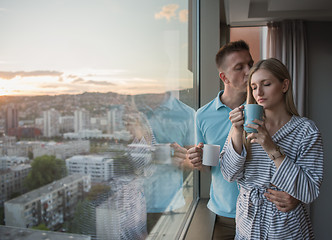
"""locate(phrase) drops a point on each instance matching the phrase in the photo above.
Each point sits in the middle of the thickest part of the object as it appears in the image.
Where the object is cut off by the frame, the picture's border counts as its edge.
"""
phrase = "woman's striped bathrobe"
(300, 175)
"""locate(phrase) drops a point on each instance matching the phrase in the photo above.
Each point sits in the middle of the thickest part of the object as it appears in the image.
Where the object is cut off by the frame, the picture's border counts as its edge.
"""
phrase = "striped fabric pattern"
(300, 175)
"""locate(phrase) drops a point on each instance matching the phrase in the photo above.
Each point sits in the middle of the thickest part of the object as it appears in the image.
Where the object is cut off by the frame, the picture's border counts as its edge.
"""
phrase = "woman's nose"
(260, 91)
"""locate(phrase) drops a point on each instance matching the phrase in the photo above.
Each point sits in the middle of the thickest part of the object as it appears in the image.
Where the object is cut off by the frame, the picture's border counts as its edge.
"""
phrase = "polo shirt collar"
(167, 104)
(218, 102)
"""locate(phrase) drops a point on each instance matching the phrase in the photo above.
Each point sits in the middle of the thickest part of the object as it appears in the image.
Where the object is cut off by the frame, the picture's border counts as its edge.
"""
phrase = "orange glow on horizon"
(49, 85)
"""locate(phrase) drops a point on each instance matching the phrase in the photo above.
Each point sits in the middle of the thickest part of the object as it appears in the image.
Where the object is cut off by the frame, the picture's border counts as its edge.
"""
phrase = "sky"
(74, 46)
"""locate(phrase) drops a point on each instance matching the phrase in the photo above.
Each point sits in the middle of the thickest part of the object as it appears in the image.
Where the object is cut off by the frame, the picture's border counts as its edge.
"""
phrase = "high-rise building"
(66, 124)
(11, 120)
(81, 120)
(115, 118)
(51, 123)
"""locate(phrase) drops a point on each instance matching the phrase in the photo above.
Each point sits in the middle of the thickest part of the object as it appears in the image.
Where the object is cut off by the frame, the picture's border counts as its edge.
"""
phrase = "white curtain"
(287, 42)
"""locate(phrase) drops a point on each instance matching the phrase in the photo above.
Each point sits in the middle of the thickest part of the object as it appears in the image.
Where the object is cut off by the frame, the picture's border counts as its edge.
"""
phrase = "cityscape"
(99, 155)
(79, 82)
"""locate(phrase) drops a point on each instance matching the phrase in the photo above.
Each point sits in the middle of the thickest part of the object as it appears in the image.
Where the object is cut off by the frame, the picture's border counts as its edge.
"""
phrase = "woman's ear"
(285, 85)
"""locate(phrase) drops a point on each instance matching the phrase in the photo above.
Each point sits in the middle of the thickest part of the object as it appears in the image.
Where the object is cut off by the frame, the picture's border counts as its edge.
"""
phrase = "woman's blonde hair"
(279, 70)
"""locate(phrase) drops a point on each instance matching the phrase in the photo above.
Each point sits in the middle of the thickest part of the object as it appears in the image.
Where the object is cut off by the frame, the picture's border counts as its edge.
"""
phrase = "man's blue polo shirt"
(212, 127)
(172, 121)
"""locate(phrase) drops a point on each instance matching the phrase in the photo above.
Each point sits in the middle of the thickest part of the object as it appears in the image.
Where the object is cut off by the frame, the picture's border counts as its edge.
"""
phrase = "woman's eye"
(267, 84)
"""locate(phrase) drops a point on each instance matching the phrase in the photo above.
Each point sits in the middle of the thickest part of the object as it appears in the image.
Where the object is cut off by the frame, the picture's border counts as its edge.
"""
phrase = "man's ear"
(285, 85)
(223, 77)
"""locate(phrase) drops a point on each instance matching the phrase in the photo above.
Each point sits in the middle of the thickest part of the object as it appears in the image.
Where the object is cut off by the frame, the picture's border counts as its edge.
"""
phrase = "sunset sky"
(74, 46)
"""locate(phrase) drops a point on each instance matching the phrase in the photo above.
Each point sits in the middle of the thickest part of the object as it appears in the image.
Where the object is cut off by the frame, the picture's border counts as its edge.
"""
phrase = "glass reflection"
(170, 122)
(97, 113)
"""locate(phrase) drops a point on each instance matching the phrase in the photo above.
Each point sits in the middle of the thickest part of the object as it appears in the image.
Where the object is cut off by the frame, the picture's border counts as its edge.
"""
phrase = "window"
(111, 90)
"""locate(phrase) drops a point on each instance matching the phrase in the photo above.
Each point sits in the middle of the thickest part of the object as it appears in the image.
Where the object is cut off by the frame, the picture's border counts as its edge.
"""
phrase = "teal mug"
(250, 113)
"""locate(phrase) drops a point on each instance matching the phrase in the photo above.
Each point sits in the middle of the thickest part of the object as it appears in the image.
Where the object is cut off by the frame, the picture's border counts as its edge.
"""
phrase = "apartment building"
(174, 48)
(62, 150)
(15, 149)
(51, 204)
(10, 233)
(66, 123)
(97, 134)
(12, 180)
(81, 120)
(100, 168)
(51, 126)
(11, 118)
(114, 118)
(8, 161)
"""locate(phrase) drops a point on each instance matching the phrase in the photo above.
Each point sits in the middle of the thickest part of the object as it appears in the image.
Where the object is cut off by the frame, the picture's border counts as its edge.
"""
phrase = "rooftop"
(38, 193)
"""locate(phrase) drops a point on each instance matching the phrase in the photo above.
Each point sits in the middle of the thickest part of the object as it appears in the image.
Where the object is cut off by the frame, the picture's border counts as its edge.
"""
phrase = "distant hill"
(31, 107)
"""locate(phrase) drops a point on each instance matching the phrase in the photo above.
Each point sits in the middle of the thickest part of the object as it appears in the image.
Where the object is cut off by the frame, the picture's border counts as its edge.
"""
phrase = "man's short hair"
(230, 48)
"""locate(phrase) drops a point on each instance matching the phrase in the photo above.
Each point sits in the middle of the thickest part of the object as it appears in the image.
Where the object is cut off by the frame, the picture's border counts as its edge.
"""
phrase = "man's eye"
(239, 68)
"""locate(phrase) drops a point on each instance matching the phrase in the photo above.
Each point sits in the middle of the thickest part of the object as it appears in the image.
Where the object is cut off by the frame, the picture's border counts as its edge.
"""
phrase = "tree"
(84, 220)
(30, 155)
(41, 226)
(97, 191)
(44, 170)
(14, 195)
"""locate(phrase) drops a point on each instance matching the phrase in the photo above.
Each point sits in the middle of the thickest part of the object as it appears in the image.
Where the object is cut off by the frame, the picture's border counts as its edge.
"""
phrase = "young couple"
(264, 179)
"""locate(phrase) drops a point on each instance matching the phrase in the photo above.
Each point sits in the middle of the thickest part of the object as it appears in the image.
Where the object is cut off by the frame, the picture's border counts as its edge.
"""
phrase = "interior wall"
(210, 44)
(252, 36)
(320, 97)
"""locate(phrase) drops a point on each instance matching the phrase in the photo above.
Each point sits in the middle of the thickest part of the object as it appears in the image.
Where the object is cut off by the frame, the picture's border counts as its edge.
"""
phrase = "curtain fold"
(287, 41)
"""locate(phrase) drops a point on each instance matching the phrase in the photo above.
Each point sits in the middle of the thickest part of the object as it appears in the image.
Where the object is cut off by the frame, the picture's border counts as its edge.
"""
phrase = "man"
(212, 126)
(170, 122)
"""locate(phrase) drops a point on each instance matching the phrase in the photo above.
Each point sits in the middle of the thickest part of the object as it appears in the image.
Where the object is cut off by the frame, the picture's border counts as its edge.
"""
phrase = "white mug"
(162, 153)
(211, 154)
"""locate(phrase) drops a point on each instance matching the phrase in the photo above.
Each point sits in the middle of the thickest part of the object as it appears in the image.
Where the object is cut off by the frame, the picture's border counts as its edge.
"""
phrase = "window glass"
(97, 101)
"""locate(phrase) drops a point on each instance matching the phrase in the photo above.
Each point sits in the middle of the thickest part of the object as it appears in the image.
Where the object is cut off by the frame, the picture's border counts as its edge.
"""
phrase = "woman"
(286, 154)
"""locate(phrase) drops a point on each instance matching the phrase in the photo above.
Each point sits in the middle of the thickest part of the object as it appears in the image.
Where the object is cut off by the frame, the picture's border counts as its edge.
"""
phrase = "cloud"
(92, 82)
(11, 75)
(183, 15)
(50, 86)
(167, 12)
(99, 82)
(78, 80)
(71, 76)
